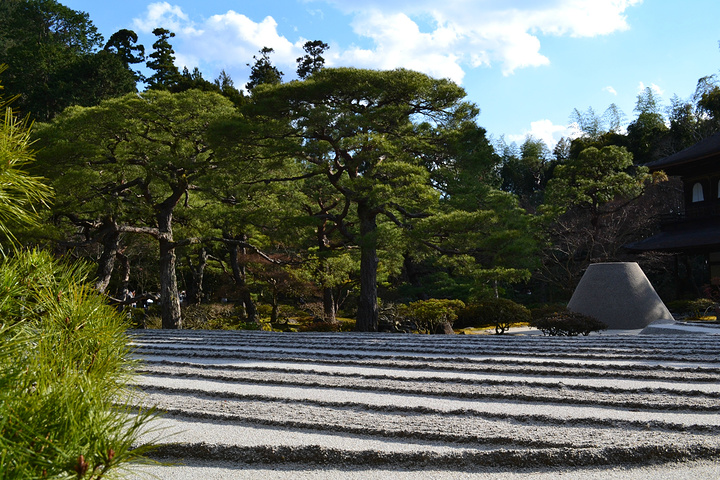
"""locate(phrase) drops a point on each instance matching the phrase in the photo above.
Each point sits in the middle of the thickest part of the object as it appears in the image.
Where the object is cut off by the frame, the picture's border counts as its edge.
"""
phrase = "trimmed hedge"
(567, 324)
(498, 312)
(429, 315)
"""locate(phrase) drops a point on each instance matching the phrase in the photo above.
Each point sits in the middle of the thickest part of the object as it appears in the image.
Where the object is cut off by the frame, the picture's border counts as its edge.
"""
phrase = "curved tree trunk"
(239, 277)
(328, 305)
(111, 247)
(195, 290)
(169, 297)
(367, 315)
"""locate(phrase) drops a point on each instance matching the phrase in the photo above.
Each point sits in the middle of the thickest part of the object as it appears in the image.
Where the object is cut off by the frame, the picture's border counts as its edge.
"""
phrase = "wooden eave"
(704, 156)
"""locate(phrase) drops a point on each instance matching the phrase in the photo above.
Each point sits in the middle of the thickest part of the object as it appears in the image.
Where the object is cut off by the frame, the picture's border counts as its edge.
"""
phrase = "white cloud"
(610, 90)
(235, 36)
(582, 18)
(483, 32)
(228, 40)
(655, 88)
(162, 14)
(400, 43)
(442, 39)
(546, 131)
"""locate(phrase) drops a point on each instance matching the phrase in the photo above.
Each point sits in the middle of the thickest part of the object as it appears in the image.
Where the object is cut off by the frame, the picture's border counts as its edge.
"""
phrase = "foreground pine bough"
(64, 361)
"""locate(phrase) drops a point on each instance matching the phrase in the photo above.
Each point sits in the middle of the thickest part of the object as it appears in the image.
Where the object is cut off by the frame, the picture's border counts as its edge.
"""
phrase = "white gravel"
(322, 406)
(174, 430)
(697, 470)
(299, 394)
(429, 375)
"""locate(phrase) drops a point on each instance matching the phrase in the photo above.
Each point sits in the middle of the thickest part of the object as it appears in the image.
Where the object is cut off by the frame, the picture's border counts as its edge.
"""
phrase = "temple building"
(696, 229)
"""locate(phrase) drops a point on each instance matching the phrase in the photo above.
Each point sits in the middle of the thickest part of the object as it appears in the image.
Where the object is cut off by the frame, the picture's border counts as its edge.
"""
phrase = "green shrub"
(699, 307)
(314, 325)
(263, 310)
(210, 316)
(691, 308)
(471, 316)
(547, 309)
(431, 314)
(500, 313)
(244, 325)
(64, 362)
(567, 324)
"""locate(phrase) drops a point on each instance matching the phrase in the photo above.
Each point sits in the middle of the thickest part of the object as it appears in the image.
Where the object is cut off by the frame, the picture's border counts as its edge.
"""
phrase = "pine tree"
(263, 71)
(162, 62)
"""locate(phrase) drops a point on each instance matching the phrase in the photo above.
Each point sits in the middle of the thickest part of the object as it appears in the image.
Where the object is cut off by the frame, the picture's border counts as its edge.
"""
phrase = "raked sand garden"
(358, 406)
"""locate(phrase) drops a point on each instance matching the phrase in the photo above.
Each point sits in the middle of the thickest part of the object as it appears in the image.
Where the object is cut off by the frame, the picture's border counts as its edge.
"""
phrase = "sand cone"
(620, 295)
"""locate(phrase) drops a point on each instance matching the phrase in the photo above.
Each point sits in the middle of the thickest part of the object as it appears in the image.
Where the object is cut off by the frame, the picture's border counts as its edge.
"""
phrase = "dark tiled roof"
(706, 148)
(696, 237)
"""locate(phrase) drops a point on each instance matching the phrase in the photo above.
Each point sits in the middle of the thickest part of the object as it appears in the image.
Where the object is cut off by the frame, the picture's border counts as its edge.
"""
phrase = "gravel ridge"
(236, 401)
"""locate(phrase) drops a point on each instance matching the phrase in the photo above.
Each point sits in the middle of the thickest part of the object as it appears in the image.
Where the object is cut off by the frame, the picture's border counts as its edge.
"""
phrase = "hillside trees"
(594, 180)
(123, 43)
(364, 132)
(591, 210)
(647, 133)
(477, 233)
(707, 98)
(55, 59)
(328, 261)
(696, 118)
(255, 222)
(130, 165)
(525, 172)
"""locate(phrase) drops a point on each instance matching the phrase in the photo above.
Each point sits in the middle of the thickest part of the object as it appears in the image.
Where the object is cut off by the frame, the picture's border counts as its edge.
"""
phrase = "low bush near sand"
(500, 313)
(567, 324)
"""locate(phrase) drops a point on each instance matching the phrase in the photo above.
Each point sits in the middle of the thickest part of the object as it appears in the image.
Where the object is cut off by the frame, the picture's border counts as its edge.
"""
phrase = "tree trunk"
(195, 291)
(239, 277)
(169, 298)
(445, 328)
(275, 302)
(328, 296)
(367, 315)
(106, 263)
(124, 272)
(328, 305)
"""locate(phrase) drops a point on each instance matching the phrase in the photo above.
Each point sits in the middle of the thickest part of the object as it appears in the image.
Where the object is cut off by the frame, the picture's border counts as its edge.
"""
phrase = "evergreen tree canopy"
(131, 164)
(594, 180)
(369, 134)
(123, 43)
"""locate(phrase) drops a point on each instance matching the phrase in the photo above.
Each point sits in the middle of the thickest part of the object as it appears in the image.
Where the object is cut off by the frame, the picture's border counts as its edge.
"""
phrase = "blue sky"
(526, 63)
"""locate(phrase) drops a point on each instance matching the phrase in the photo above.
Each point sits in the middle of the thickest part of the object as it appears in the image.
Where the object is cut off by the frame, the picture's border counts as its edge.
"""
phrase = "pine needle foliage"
(64, 363)
(20, 193)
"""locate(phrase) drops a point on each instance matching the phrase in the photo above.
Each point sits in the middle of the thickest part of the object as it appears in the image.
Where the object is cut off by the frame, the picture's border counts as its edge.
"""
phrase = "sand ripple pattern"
(446, 402)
